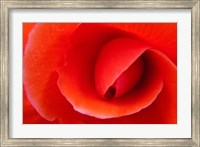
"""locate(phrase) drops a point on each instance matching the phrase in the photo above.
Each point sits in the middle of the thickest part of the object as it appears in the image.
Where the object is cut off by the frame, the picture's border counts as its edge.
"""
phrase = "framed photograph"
(100, 73)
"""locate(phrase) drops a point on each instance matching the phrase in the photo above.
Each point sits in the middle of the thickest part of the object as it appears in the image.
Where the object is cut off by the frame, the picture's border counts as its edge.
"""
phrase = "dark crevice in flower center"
(110, 93)
(127, 81)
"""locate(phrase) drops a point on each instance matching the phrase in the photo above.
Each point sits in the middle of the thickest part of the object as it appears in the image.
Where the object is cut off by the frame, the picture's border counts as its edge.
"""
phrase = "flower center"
(119, 67)
(127, 80)
(110, 93)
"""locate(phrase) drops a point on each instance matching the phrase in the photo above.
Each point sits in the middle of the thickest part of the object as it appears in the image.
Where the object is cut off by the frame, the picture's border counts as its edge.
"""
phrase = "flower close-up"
(99, 73)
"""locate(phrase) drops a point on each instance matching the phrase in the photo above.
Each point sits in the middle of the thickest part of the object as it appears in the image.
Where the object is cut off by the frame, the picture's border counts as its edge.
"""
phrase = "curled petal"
(166, 102)
(77, 84)
(115, 58)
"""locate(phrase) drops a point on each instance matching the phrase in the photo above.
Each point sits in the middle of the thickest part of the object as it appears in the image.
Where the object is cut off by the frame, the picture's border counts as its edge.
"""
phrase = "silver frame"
(7, 5)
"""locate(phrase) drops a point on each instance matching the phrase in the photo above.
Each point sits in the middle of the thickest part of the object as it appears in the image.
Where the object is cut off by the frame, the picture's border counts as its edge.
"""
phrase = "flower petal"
(164, 108)
(78, 88)
(30, 115)
(115, 57)
(166, 102)
(163, 36)
(45, 52)
(27, 27)
(76, 78)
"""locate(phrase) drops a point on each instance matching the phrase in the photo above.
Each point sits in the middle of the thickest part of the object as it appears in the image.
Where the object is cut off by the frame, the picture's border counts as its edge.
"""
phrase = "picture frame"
(7, 5)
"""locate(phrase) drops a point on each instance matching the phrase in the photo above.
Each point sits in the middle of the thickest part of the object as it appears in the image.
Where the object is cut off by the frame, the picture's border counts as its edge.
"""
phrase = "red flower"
(100, 73)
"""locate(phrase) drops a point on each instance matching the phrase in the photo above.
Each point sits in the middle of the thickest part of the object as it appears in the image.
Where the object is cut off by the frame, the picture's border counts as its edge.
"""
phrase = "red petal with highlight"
(30, 115)
(27, 27)
(45, 52)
